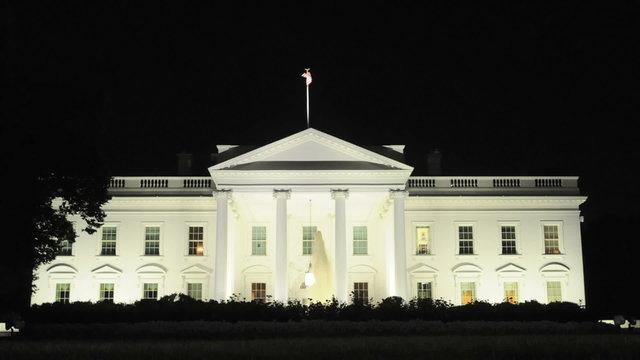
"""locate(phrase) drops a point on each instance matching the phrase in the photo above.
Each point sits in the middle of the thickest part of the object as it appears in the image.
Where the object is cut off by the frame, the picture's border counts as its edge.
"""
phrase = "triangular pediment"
(310, 146)
(106, 269)
(197, 269)
(510, 268)
(310, 156)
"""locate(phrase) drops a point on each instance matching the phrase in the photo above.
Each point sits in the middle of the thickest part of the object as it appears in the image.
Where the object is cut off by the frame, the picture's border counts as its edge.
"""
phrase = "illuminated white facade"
(354, 218)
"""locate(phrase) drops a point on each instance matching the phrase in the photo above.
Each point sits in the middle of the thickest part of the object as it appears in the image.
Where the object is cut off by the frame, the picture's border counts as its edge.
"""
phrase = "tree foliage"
(52, 169)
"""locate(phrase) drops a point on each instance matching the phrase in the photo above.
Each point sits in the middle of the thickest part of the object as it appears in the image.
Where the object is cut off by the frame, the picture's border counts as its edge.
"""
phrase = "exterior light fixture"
(309, 277)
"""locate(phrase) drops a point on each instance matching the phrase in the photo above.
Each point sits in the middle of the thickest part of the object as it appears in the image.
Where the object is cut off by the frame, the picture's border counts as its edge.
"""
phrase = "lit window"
(259, 292)
(508, 234)
(511, 292)
(152, 240)
(423, 241)
(66, 248)
(424, 290)
(465, 239)
(551, 239)
(63, 292)
(361, 293)
(150, 291)
(554, 291)
(467, 292)
(196, 240)
(259, 240)
(308, 238)
(194, 290)
(108, 244)
(360, 246)
(106, 292)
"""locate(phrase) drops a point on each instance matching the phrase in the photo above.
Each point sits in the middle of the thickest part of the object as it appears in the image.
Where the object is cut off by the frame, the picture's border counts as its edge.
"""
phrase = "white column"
(220, 279)
(340, 248)
(281, 287)
(399, 244)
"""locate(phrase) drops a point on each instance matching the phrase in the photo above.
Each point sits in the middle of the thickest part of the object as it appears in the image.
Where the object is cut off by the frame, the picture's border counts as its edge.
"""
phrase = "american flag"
(307, 75)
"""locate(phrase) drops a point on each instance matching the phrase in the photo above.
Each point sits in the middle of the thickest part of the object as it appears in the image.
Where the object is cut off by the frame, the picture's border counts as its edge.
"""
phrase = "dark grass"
(566, 347)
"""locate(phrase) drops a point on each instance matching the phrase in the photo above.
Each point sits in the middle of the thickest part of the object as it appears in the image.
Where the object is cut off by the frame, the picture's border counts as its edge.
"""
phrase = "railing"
(417, 183)
(485, 182)
(154, 182)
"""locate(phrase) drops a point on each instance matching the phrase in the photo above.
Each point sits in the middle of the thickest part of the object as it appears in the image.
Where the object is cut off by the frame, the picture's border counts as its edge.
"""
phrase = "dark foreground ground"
(557, 346)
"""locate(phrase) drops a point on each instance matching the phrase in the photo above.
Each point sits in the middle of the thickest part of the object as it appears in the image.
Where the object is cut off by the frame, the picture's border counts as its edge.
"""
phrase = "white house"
(311, 205)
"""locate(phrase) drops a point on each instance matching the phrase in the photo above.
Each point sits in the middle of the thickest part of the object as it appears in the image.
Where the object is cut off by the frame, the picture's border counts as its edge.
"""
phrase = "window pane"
(423, 245)
(424, 290)
(511, 292)
(194, 290)
(259, 292)
(152, 240)
(467, 292)
(361, 293)
(360, 241)
(259, 240)
(196, 240)
(108, 244)
(508, 239)
(63, 292)
(66, 248)
(554, 291)
(106, 292)
(465, 239)
(551, 239)
(308, 238)
(150, 291)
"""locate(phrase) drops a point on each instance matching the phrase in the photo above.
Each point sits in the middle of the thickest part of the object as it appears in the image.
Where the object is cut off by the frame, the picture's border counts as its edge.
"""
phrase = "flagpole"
(307, 76)
(307, 107)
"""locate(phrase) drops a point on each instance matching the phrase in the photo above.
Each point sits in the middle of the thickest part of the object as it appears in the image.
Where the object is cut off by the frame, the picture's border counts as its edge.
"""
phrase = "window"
(308, 238)
(424, 290)
(551, 239)
(66, 248)
(423, 240)
(150, 291)
(467, 292)
(63, 292)
(152, 240)
(194, 290)
(554, 291)
(259, 292)
(511, 292)
(360, 246)
(361, 293)
(465, 239)
(106, 292)
(108, 244)
(196, 240)
(259, 240)
(508, 235)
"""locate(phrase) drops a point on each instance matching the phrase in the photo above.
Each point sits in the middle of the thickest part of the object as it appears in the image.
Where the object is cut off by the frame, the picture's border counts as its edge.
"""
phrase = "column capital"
(398, 193)
(219, 194)
(282, 194)
(339, 193)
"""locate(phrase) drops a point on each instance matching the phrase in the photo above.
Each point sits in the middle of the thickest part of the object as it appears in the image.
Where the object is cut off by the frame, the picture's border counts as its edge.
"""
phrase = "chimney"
(434, 167)
(185, 163)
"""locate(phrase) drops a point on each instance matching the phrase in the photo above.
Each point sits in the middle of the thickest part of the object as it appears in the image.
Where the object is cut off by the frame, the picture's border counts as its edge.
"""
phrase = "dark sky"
(499, 87)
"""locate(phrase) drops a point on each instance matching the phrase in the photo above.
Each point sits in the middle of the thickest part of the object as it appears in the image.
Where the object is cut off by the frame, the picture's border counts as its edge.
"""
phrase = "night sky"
(500, 88)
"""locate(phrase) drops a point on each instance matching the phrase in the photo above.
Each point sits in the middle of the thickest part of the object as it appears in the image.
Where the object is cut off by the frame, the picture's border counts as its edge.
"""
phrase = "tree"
(52, 168)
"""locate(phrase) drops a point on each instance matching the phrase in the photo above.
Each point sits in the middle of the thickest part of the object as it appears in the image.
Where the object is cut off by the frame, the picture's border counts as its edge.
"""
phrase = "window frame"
(145, 227)
(416, 245)
(515, 240)
(103, 290)
(360, 243)
(193, 250)
(114, 241)
(259, 292)
(559, 288)
(515, 297)
(63, 295)
(190, 291)
(255, 242)
(146, 291)
(459, 245)
(559, 249)
(360, 292)
(310, 242)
